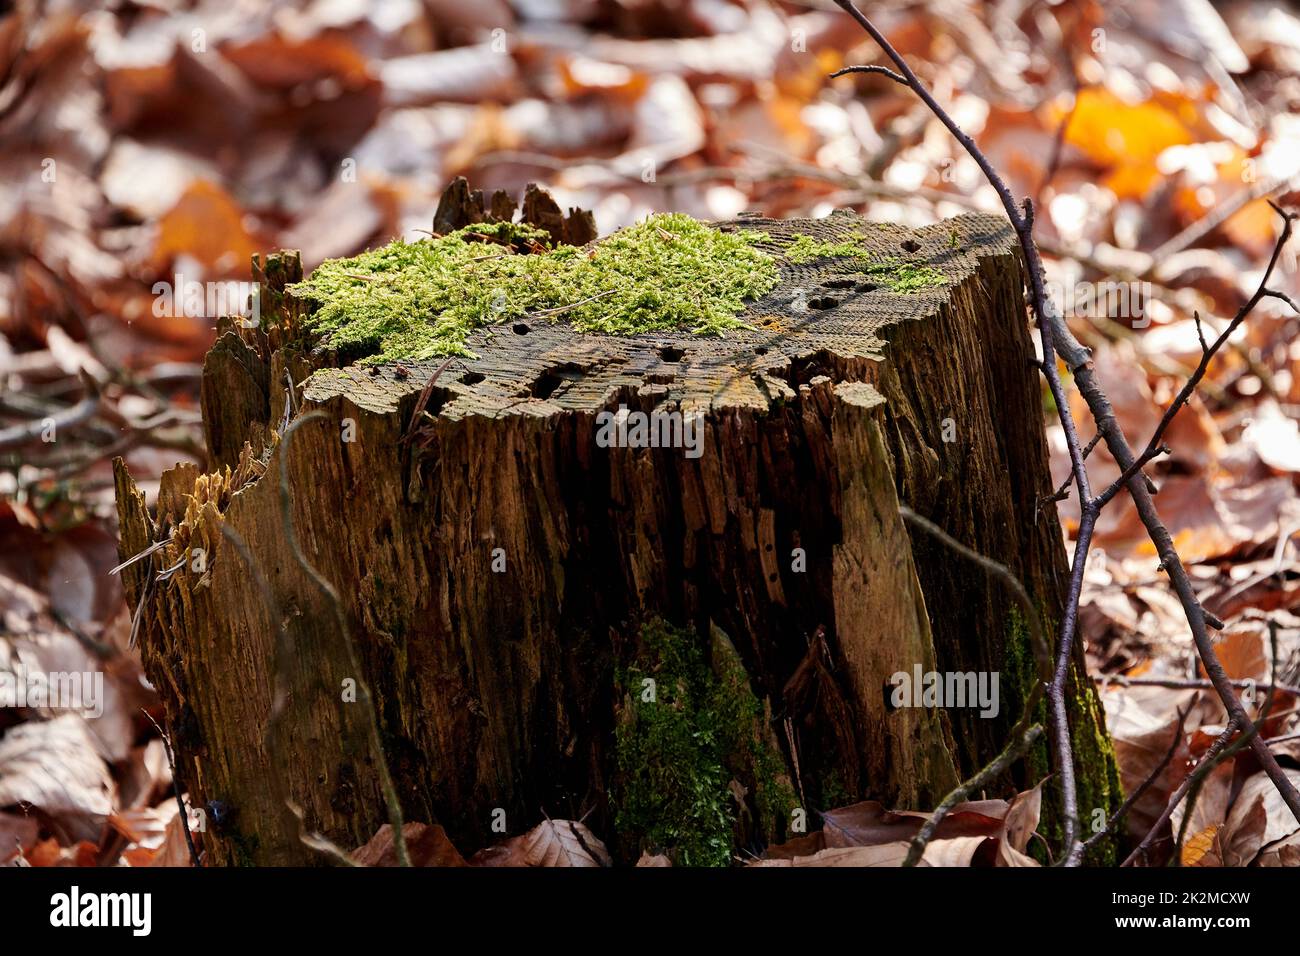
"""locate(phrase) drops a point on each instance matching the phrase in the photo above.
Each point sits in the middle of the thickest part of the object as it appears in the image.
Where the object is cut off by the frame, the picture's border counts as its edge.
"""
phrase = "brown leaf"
(1125, 138)
(959, 851)
(1243, 655)
(427, 844)
(54, 766)
(869, 824)
(550, 843)
(1211, 806)
(17, 834)
(563, 843)
(173, 851)
(1022, 818)
(884, 854)
(1259, 816)
(1283, 853)
(206, 225)
(1209, 522)
(1243, 835)
(800, 846)
(49, 853)
(1142, 723)
(1010, 856)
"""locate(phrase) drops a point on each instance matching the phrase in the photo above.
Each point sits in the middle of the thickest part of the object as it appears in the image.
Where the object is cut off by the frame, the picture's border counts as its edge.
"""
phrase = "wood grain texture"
(496, 689)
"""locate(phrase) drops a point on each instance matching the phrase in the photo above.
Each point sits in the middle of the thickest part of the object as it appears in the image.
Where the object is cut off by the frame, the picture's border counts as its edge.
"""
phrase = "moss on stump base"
(575, 508)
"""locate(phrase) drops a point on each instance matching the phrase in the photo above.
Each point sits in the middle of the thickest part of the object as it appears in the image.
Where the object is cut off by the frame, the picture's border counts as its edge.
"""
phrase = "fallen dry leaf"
(1022, 817)
(1142, 723)
(427, 845)
(1124, 138)
(1243, 654)
(53, 765)
(956, 852)
(173, 851)
(550, 843)
(206, 226)
(1203, 849)
(1242, 836)
(1285, 852)
(869, 824)
(564, 843)
(1258, 817)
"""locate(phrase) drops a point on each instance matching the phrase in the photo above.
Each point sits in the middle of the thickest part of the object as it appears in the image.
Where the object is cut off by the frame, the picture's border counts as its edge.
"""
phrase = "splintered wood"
(495, 555)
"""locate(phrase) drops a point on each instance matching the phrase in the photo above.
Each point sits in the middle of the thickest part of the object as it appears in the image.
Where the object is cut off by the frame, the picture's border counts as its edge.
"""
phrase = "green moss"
(1099, 782)
(418, 300)
(678, 753)
(805, 248)
(833, 792)
(422, 299)
(751, 749)
(1096, 771)
(898, 275)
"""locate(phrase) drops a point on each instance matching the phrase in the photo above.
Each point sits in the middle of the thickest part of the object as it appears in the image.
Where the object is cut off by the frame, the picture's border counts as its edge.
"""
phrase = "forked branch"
(1054, 334)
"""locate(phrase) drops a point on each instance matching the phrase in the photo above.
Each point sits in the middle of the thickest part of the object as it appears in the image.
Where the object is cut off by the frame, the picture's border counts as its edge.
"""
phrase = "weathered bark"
(496, 689)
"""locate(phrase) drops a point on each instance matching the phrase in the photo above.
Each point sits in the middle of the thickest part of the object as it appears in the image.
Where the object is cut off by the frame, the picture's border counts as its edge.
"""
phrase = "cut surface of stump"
(503, 560)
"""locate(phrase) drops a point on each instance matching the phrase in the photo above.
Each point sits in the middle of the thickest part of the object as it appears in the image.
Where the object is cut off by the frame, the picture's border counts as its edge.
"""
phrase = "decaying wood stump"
(494, 562)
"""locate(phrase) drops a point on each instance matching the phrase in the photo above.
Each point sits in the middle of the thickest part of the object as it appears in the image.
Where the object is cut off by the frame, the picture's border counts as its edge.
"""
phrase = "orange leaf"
(205, 224)
(1126, 138)
(1196, 851)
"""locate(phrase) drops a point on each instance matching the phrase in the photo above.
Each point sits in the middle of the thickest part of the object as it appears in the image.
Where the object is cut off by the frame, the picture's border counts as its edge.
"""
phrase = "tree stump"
(495, 565)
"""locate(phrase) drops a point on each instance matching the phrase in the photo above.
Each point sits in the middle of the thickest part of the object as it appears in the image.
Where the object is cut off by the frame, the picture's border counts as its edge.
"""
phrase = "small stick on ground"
(176, 787)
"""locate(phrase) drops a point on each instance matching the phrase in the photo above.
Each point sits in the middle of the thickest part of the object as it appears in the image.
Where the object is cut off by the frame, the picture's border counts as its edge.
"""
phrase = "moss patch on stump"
(670, 272)
(698, 770)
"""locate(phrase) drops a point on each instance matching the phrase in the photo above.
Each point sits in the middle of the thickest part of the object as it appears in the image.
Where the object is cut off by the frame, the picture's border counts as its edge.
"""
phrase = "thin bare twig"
(1192, 683)
(879, 70)
(422, 402)
(1063, 492)
(1054, 333)
(560, 309)
(1136, 795)
(1207, 356)
(176, 787)
(1208, 761)
(18, 435)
